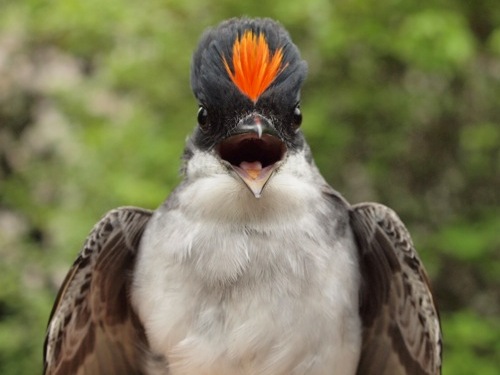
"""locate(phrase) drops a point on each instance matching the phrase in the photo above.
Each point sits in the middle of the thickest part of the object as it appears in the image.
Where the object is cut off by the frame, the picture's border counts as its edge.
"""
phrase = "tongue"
(252, 168)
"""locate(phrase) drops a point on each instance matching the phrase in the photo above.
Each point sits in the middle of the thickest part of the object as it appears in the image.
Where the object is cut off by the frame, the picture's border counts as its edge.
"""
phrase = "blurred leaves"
(400, 107)
(436, 40)
(471, 242)
(472, 340)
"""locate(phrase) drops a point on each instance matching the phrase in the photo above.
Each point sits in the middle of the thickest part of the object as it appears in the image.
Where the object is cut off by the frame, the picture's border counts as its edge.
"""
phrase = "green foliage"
(400, 107)
(436, 40)
(474, 343)
(471, 242)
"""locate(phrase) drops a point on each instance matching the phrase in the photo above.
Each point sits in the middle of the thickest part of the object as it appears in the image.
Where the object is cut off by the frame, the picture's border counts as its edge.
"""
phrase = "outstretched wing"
(92, 328)
(401, 329)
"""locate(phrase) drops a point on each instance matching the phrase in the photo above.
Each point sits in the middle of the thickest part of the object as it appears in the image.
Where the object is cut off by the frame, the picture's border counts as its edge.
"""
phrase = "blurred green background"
(401, 106)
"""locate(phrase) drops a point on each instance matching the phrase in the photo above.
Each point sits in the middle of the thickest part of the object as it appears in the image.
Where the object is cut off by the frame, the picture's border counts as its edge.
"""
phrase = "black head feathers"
(243, 66)
(216, 62)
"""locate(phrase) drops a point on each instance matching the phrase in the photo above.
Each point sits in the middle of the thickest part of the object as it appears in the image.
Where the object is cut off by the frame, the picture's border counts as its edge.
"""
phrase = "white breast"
(246, 285)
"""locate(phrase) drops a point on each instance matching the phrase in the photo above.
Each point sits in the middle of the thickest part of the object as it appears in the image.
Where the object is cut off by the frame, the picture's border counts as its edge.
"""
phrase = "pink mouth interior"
(253, 168)
(251, 153)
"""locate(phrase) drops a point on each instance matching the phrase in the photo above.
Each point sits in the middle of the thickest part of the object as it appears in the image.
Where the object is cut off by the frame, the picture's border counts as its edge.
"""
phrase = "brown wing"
(92, 328)
(401, 329)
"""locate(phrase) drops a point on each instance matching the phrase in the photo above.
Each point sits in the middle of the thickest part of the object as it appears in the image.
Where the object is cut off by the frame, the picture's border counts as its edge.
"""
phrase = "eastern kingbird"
(253, 265)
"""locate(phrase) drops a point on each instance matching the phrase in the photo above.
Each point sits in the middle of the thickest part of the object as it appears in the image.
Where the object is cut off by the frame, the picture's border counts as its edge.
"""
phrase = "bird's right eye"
(297, 116)
(203, 118)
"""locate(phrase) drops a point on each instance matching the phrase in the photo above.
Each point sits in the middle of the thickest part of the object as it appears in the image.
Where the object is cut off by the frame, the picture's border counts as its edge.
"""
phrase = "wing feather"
(93, 328)
(402, 334)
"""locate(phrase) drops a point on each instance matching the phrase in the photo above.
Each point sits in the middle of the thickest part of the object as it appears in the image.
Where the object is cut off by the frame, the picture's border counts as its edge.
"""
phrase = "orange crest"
(254, 67)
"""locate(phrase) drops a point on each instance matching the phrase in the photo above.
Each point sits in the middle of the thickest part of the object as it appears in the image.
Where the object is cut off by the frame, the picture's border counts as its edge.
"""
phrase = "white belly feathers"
(220, 293)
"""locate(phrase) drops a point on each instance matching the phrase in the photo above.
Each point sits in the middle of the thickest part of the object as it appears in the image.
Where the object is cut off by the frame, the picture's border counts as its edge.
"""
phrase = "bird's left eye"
(203, 118)
(297, 116)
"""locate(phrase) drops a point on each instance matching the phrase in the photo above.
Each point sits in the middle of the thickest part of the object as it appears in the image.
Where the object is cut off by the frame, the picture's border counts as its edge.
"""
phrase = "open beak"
(254, 151)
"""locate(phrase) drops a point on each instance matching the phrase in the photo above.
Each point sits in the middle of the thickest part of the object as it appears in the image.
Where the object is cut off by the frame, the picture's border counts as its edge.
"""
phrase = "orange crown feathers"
(254, 67)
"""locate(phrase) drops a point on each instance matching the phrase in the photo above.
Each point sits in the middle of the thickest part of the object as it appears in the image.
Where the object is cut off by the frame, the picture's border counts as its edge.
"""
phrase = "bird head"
(246, 75)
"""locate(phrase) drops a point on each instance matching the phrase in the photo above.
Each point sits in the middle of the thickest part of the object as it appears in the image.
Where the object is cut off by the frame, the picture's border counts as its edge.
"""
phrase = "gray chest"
(249, 299)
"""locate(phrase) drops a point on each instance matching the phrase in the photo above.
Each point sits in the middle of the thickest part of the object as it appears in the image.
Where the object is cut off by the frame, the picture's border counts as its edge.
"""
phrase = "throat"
(251, 253)
(212, 193)
(225, 198)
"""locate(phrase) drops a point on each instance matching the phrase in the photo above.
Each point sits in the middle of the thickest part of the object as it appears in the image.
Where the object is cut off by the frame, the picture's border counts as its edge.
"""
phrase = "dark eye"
(203, 118)
(297, 116)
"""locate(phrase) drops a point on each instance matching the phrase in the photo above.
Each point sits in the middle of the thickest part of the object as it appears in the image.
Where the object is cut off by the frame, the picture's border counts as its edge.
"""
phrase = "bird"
(254, 264)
